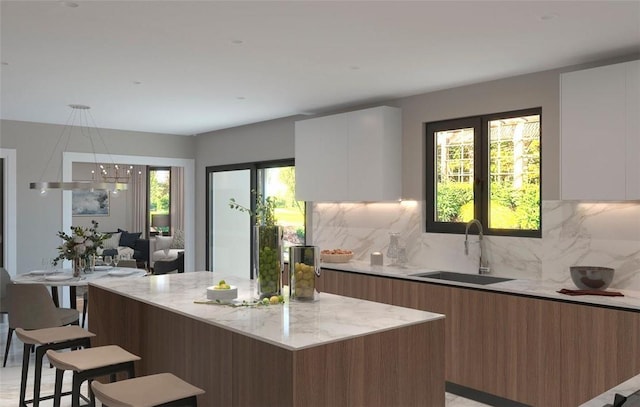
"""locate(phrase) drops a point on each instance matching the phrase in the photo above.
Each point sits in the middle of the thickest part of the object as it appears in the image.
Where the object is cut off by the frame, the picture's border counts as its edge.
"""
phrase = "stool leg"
(75, 395)
(7, 346)
(92, 396)
(37, 378)
(57, 395)
(85, 299)
(26, 354)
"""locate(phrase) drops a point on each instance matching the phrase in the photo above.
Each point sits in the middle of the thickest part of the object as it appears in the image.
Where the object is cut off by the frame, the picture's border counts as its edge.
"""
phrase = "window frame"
(148, 215)
(480, 124)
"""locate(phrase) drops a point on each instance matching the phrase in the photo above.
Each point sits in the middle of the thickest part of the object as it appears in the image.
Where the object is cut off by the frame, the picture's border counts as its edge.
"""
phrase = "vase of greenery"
(267, 248)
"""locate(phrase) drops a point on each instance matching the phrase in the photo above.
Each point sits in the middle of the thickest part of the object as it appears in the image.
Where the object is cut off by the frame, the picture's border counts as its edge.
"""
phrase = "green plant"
(265, 209)
(451, 197)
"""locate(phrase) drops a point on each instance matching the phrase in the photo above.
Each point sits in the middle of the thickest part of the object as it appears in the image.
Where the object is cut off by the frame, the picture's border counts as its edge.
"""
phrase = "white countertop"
(293, 325)
(624, 389)
(631, 299)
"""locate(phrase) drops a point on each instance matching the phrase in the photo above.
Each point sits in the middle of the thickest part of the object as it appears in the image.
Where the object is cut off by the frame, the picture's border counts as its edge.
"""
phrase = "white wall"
(38, 220)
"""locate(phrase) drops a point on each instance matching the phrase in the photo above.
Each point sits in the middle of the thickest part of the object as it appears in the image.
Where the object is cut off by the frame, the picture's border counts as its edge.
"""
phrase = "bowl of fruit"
(222, 292)
(336, 256)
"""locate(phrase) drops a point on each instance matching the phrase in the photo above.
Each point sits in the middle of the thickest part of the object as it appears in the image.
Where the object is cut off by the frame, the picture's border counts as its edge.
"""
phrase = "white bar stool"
(162, 389)
(88, 364)
(64, 337)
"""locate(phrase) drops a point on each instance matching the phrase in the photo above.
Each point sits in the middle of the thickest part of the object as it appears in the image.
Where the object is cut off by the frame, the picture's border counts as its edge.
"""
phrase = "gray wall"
(275, 139)
(535, 90)
(39, 219)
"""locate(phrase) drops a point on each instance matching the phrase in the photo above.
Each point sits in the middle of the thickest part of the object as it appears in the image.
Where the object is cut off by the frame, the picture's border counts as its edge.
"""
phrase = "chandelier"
(79, 120)
(115, 173)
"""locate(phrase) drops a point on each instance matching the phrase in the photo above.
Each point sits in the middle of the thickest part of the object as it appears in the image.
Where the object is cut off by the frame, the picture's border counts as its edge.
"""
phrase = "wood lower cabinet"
(535, 351)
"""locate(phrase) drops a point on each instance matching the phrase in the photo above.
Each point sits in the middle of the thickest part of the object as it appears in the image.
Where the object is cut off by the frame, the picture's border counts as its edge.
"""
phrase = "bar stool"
(162, 389)
(63, 337)
(88, 364)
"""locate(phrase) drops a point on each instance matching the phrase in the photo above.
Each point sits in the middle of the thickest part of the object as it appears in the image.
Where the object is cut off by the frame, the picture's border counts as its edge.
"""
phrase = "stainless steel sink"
(462, 277)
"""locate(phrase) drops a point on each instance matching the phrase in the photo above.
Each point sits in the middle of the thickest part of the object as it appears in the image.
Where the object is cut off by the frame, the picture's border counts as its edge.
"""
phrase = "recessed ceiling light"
(548, 17)
(69, 4)
(237, 42)
(137, 83)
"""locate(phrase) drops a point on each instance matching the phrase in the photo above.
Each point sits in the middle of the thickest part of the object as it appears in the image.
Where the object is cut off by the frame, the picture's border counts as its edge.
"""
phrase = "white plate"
(59, 278)
(102, 268)
(43, 272)
(120, 273)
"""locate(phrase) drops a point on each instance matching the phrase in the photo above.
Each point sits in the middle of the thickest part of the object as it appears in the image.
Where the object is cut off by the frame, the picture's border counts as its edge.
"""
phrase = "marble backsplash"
(573, 233)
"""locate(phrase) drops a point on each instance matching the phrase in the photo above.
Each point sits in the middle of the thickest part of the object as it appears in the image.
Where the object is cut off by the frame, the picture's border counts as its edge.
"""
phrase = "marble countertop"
(625, 389)
(542, 289)
(292, 325)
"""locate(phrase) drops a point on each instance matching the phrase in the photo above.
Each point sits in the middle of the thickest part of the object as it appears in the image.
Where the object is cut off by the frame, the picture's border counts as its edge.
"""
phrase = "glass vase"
(77, 267)
(267, 260)
(304, 266)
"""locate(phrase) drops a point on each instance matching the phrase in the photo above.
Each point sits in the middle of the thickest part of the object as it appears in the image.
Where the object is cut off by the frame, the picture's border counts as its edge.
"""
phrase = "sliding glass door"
(229, 231)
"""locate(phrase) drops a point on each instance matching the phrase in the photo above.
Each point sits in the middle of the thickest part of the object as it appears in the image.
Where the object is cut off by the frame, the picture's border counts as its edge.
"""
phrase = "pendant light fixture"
(79, 120)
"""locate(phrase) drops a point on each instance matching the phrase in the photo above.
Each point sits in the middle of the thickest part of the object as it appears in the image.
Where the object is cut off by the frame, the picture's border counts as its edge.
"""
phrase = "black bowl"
(591, 277)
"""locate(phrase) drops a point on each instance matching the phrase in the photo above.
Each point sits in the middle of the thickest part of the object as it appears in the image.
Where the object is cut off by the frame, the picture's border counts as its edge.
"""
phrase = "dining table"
(61, 277)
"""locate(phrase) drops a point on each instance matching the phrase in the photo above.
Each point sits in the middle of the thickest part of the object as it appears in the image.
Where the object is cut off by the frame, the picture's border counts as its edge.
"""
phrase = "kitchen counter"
(625, 389)
(293, 325)
(297, 353)
(533, 288)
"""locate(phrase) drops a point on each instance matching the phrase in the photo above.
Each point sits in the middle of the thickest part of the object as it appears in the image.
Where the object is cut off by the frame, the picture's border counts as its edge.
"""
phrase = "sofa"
(125, 243)
(166, 247)
(169, 266)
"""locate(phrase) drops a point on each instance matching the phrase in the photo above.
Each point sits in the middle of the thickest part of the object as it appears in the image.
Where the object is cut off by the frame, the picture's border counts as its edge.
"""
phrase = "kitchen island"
(334, 351)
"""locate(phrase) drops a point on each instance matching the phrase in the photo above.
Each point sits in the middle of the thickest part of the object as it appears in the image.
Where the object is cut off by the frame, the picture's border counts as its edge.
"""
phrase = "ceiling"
(189, 67)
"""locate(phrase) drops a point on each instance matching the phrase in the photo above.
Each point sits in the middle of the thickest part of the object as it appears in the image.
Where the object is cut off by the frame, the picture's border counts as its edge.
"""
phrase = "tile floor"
(10, 378)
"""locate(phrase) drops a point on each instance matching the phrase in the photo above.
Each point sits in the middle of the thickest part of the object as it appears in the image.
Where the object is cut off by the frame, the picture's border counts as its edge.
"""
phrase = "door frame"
(68, 158)
(10, 211)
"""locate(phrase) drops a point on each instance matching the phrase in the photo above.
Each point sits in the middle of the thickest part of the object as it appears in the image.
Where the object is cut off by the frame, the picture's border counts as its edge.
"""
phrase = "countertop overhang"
(293, 325)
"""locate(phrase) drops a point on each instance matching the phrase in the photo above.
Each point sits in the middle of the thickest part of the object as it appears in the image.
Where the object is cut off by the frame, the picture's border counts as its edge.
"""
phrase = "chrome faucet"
(482, 267)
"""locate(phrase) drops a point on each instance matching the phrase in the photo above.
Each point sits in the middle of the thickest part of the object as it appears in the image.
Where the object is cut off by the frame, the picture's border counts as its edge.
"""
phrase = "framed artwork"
(90, 203)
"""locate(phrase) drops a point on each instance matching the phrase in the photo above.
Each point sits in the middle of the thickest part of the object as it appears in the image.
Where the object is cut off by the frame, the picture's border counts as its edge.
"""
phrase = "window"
(229, 231)
(487, 168)
(159, 209)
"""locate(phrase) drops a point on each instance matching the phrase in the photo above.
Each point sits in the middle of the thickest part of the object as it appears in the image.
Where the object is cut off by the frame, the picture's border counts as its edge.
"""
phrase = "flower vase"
(267, 260)
(77, 267)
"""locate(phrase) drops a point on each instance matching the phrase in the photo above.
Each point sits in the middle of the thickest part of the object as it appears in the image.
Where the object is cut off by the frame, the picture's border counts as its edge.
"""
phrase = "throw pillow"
(112, 242)
(163, 242)
(178, 240)
(128, 239)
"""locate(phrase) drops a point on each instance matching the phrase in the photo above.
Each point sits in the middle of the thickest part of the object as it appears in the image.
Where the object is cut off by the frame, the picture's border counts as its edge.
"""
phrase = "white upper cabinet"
(350, 157)
(600, 133)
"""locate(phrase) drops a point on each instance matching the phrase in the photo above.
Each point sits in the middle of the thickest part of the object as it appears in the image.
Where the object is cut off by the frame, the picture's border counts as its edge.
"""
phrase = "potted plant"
(267, 248)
